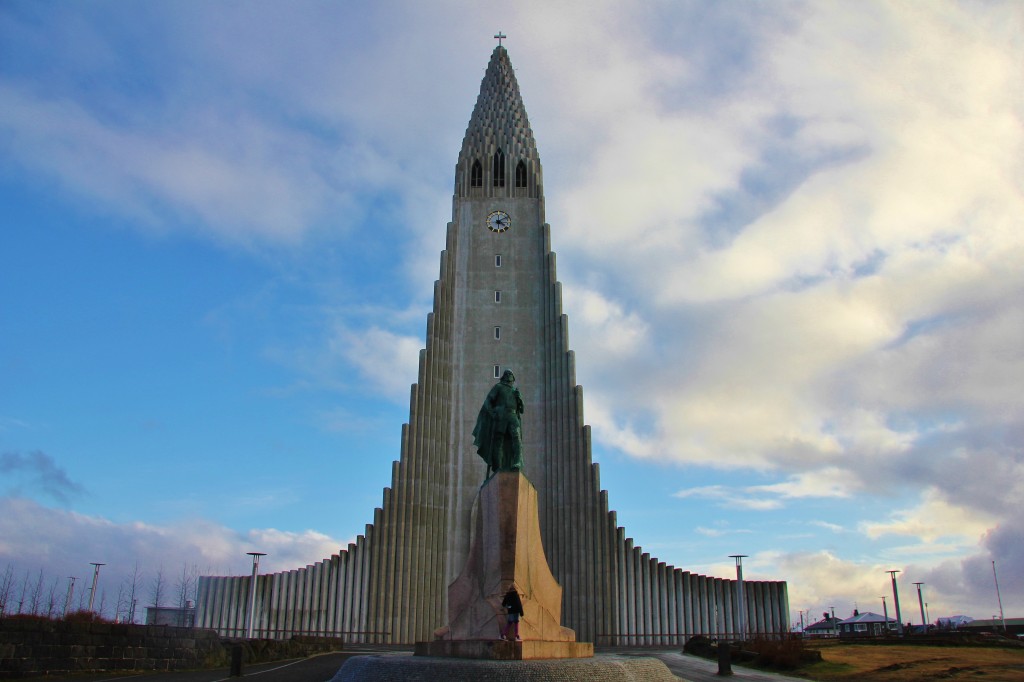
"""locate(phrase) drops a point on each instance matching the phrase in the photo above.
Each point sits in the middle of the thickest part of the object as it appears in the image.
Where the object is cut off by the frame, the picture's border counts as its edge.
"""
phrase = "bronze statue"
(498, 433)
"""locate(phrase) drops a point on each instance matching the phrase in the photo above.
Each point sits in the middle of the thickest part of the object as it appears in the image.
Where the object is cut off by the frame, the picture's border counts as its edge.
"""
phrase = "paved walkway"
(695, 669)
(323, 667)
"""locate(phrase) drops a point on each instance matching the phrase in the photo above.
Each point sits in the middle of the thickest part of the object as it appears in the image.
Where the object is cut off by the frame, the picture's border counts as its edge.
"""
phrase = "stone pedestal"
(505, 551)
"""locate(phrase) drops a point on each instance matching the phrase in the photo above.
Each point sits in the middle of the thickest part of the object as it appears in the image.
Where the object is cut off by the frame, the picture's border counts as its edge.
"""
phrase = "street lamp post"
(998, 596)
(71, 594)
(896, 600)
(741, 625)
(252, 592)
(95, 577)
(920, 603)
(885, 614)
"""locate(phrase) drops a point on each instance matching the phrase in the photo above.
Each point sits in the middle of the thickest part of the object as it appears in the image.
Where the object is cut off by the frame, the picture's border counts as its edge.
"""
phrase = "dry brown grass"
(907, 663)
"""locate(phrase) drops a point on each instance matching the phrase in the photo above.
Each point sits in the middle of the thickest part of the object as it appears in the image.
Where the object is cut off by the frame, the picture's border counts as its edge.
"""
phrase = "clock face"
(498, 221)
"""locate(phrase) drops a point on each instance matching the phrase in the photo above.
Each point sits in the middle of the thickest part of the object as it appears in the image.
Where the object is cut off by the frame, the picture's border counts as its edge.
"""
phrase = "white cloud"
(933, 519)
(727, 497)
(830, 482)
(834, 527)
(227, 173)
(604, 327)
(387, 361)
(720, 531)
(836, 298)
(827, 483)
(63, 543)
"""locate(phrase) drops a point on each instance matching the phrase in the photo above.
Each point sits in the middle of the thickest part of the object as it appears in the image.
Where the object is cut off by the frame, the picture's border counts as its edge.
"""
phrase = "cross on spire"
(500, 36)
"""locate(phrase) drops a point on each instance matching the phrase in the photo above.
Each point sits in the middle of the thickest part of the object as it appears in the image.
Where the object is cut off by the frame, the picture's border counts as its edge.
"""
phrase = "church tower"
(497, 306)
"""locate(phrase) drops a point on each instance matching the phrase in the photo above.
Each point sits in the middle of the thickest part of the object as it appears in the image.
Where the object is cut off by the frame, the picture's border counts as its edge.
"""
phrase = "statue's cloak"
(483, 436)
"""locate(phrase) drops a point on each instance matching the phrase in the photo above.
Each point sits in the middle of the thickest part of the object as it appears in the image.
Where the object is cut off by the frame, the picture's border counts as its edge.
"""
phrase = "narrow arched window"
(499, 168)
(520, 174)
(476, 175)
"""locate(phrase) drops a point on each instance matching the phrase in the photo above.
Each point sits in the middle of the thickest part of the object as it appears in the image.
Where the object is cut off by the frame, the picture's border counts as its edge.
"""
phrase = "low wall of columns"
(649, 602)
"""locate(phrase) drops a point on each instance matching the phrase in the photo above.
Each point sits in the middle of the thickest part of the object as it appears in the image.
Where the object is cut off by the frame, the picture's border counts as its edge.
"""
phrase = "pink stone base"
(501, 650)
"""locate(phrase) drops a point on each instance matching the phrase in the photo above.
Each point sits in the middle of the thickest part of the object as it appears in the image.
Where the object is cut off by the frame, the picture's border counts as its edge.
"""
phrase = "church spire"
(499, 154)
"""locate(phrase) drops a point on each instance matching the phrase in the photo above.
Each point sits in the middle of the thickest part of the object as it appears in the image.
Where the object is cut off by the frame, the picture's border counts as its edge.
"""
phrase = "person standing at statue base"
(513, 606)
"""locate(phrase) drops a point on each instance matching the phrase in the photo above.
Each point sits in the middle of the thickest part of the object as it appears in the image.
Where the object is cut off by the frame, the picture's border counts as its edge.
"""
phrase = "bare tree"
(51, 600)
(24, 592)
(6, 586)
(81, 598)
(36, 597)
(186, 584)
(134, 585)
(158, 587)
(120, 606)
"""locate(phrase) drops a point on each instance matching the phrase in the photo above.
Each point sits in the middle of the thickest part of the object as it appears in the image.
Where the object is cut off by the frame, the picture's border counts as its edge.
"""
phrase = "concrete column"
(632, 593)
(730, 623)
(356, 586)
(665, 578)
(686, 603)
(390, 526)
(621, 552)
(370, 561)
(299, 623)
(278, 605)
(647, 625)
(375, 574)
(783, 596)
(344, 598)
(658, 600)
(240, 602)
(331, 587)
(290, 625)
(759, 600)
(405, 611)
(707, 604)
(679, 605)
(347, 595)
(202, 602)
(722, 610)
(314, 595)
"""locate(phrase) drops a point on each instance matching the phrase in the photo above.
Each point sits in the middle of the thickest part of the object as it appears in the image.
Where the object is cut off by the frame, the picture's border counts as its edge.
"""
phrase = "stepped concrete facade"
(497, 306)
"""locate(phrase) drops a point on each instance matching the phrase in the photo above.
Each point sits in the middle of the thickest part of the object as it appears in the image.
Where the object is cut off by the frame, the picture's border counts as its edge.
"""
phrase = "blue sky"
(789, 236)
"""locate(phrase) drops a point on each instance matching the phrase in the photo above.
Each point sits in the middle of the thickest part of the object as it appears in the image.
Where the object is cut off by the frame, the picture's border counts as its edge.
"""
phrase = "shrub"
(85, 617)
(782, 654)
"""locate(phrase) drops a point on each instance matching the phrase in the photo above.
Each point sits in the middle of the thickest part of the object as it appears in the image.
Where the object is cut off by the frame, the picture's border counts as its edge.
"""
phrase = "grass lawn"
(907, 663)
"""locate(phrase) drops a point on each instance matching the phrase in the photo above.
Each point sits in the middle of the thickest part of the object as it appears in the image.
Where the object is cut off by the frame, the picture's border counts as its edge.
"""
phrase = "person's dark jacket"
(512, 604)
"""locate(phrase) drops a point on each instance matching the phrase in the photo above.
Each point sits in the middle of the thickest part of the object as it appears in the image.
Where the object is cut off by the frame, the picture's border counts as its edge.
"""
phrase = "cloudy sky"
(790, 236)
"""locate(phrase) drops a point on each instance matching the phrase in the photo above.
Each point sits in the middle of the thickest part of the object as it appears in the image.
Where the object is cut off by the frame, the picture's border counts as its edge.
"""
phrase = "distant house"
(1014, 626)
(865, 625)
(171, 615)
(952, 622)
(827, 627)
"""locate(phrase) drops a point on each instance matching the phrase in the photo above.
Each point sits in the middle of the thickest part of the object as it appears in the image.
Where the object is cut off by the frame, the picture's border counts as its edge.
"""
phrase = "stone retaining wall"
(31, 647)
(34, 647)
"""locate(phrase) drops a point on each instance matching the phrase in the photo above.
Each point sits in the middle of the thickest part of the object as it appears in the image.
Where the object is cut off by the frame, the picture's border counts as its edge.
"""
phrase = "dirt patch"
(908, 663)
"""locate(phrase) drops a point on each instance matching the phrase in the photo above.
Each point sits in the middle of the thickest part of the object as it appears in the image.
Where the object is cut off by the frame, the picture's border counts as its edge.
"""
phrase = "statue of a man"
(498, 434)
